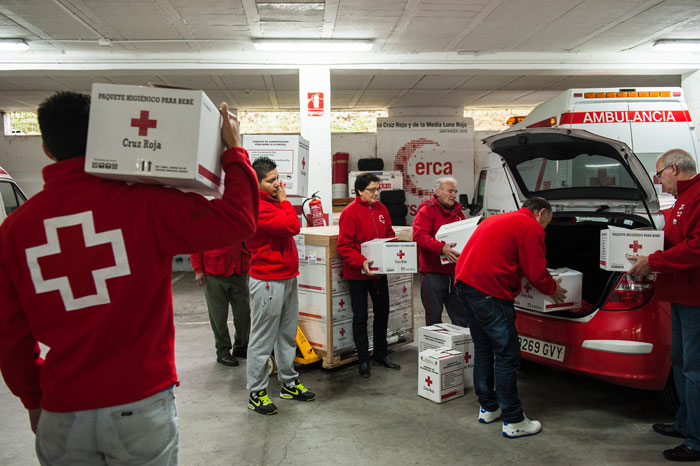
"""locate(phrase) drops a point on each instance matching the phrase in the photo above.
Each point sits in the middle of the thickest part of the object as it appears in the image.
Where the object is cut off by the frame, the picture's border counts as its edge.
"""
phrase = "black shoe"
(682, 453)
(669, 430)
(227, 360)
(386, 362)
(364, 369)
(239, 353)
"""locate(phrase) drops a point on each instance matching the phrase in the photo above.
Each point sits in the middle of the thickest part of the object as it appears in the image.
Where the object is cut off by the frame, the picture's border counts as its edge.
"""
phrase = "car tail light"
(630, 293)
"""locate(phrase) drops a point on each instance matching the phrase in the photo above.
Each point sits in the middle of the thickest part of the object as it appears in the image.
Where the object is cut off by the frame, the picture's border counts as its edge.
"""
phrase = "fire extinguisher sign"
(315, 103)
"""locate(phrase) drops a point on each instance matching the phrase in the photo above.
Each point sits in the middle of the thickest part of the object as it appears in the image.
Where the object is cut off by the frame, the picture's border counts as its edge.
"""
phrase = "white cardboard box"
(156, 136)
(315, 331)
(440, 374)
(457, 232)
(291, 154)
(312, 277)
(387, 180)
(530, 298)
(391, 256)
(450, 336)
(314, 305)
(616, 243)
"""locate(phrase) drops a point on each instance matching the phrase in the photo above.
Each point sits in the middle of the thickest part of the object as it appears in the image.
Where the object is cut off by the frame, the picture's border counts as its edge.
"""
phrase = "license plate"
(542, 348)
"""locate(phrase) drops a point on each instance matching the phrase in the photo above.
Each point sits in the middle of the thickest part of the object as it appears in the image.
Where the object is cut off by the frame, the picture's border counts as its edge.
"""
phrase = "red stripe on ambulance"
(624, 116)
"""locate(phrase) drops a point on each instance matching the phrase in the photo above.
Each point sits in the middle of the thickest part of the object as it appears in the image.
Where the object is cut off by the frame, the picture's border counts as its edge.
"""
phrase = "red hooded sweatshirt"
(275, 255)
(502, 250)
(359, 222)
(430, 217)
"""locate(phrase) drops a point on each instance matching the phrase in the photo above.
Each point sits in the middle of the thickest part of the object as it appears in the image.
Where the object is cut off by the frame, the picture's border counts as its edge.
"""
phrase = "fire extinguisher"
(316, 210)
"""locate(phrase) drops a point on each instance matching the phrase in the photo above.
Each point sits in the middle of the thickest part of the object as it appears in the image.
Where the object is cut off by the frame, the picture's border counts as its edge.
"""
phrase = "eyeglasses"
(373, 190)
(658, 174)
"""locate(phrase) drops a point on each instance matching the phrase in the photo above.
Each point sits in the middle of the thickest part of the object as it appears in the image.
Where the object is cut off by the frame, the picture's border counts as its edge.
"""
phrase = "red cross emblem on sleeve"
(428, 381)
(400, 254)
(143, 123)
(76, 261)
(635, 246)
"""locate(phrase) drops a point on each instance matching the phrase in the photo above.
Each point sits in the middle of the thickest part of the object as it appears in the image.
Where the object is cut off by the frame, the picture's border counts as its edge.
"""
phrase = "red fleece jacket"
(85, 268)
(679, 263)
(502, 250)
(359, 222)
(430, 217)
(222, 262)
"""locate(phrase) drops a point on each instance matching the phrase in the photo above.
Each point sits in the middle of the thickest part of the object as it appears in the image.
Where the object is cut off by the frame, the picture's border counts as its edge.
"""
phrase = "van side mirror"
(464, 200)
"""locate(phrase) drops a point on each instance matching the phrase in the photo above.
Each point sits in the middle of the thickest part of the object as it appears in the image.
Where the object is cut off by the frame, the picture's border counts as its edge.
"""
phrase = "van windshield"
(580, 171)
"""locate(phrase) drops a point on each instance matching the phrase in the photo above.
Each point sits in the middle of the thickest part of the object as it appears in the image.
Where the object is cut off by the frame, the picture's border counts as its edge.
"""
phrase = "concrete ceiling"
(427, 53)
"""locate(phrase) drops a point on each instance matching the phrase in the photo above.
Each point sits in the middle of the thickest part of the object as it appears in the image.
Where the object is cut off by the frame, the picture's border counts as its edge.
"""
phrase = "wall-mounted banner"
(425, 148)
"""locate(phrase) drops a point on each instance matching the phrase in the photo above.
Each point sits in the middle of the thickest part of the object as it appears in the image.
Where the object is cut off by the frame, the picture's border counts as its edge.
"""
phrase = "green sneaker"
(296, 392)
(260, 403)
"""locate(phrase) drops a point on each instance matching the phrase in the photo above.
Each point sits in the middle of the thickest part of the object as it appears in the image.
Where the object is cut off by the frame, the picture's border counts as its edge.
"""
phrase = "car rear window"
(582, 171)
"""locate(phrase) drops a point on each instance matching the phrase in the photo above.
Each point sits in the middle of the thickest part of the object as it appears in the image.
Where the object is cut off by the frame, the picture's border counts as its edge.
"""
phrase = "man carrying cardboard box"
(85, 268)
(224, 275)
(437, 279)
(678, 266)
(502, 250)
(274, 267)
(365, 219)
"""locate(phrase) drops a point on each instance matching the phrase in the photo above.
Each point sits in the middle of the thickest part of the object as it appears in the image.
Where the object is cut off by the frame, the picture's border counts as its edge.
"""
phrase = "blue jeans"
(144, 433)
(685, 357)
(497, 351)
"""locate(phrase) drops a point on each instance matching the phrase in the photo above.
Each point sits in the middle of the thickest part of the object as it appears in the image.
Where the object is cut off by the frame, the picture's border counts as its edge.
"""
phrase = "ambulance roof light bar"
(626, 94)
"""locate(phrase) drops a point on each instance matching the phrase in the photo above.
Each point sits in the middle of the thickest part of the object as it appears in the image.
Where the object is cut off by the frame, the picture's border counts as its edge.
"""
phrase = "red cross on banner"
(635, 246)
(143, 123)
(428, 381)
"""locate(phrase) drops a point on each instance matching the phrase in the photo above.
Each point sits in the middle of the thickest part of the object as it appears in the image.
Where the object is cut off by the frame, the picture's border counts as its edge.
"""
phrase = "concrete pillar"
(315, 116)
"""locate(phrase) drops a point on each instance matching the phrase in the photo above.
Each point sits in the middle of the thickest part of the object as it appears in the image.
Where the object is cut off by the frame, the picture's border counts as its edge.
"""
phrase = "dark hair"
(263, 166)
(363, 180)
(536, 204)
(63, 120)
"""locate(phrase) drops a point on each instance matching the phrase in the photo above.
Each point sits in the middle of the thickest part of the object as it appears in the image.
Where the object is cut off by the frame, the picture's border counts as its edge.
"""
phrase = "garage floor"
(380, 420)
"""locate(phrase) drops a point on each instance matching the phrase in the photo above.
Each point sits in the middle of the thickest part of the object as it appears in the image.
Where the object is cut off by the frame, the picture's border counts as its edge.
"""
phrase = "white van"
(11, 196)
(649, 120)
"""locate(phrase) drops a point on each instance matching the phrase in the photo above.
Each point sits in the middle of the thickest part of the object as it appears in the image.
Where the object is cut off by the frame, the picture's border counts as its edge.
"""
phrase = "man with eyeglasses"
(437, 279)
(678, 268)
(365, 219)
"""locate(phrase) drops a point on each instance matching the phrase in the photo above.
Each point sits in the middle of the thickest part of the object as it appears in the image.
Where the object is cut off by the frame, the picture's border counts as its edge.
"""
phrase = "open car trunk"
(574, 242)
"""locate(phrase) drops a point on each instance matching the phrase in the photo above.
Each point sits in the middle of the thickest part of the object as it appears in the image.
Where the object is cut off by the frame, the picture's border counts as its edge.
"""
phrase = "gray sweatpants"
(274, 318)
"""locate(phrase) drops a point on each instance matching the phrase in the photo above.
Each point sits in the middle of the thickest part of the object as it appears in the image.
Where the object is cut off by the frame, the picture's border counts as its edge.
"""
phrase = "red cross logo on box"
(405, 289)
(315, 102)
(428, 381)
(303, 163)
(342, 332)
(341, 303)
(527, 287)
(467, 357)
(635, 246)
(76, 261)
(143, 123)
(400, 254)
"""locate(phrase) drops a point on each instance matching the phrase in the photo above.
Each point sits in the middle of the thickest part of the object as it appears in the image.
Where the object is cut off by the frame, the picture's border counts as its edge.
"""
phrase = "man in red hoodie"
(502, 250)
(678, 266)
(85, 268)
(224, 275)
(273, 290)
(437, 279)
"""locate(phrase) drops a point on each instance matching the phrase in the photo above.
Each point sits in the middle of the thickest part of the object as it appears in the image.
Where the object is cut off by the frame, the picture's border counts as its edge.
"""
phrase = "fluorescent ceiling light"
(677, 45)
(293, 6)
(13, 44)
(313, 45)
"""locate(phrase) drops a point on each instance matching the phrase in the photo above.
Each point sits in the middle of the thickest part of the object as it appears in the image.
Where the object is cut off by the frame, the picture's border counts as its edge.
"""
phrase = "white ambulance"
(11, 196)
(649, 120)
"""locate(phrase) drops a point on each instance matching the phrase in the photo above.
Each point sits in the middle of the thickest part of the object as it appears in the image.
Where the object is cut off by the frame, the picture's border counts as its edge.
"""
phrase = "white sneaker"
(522, 428)
(487, 417)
